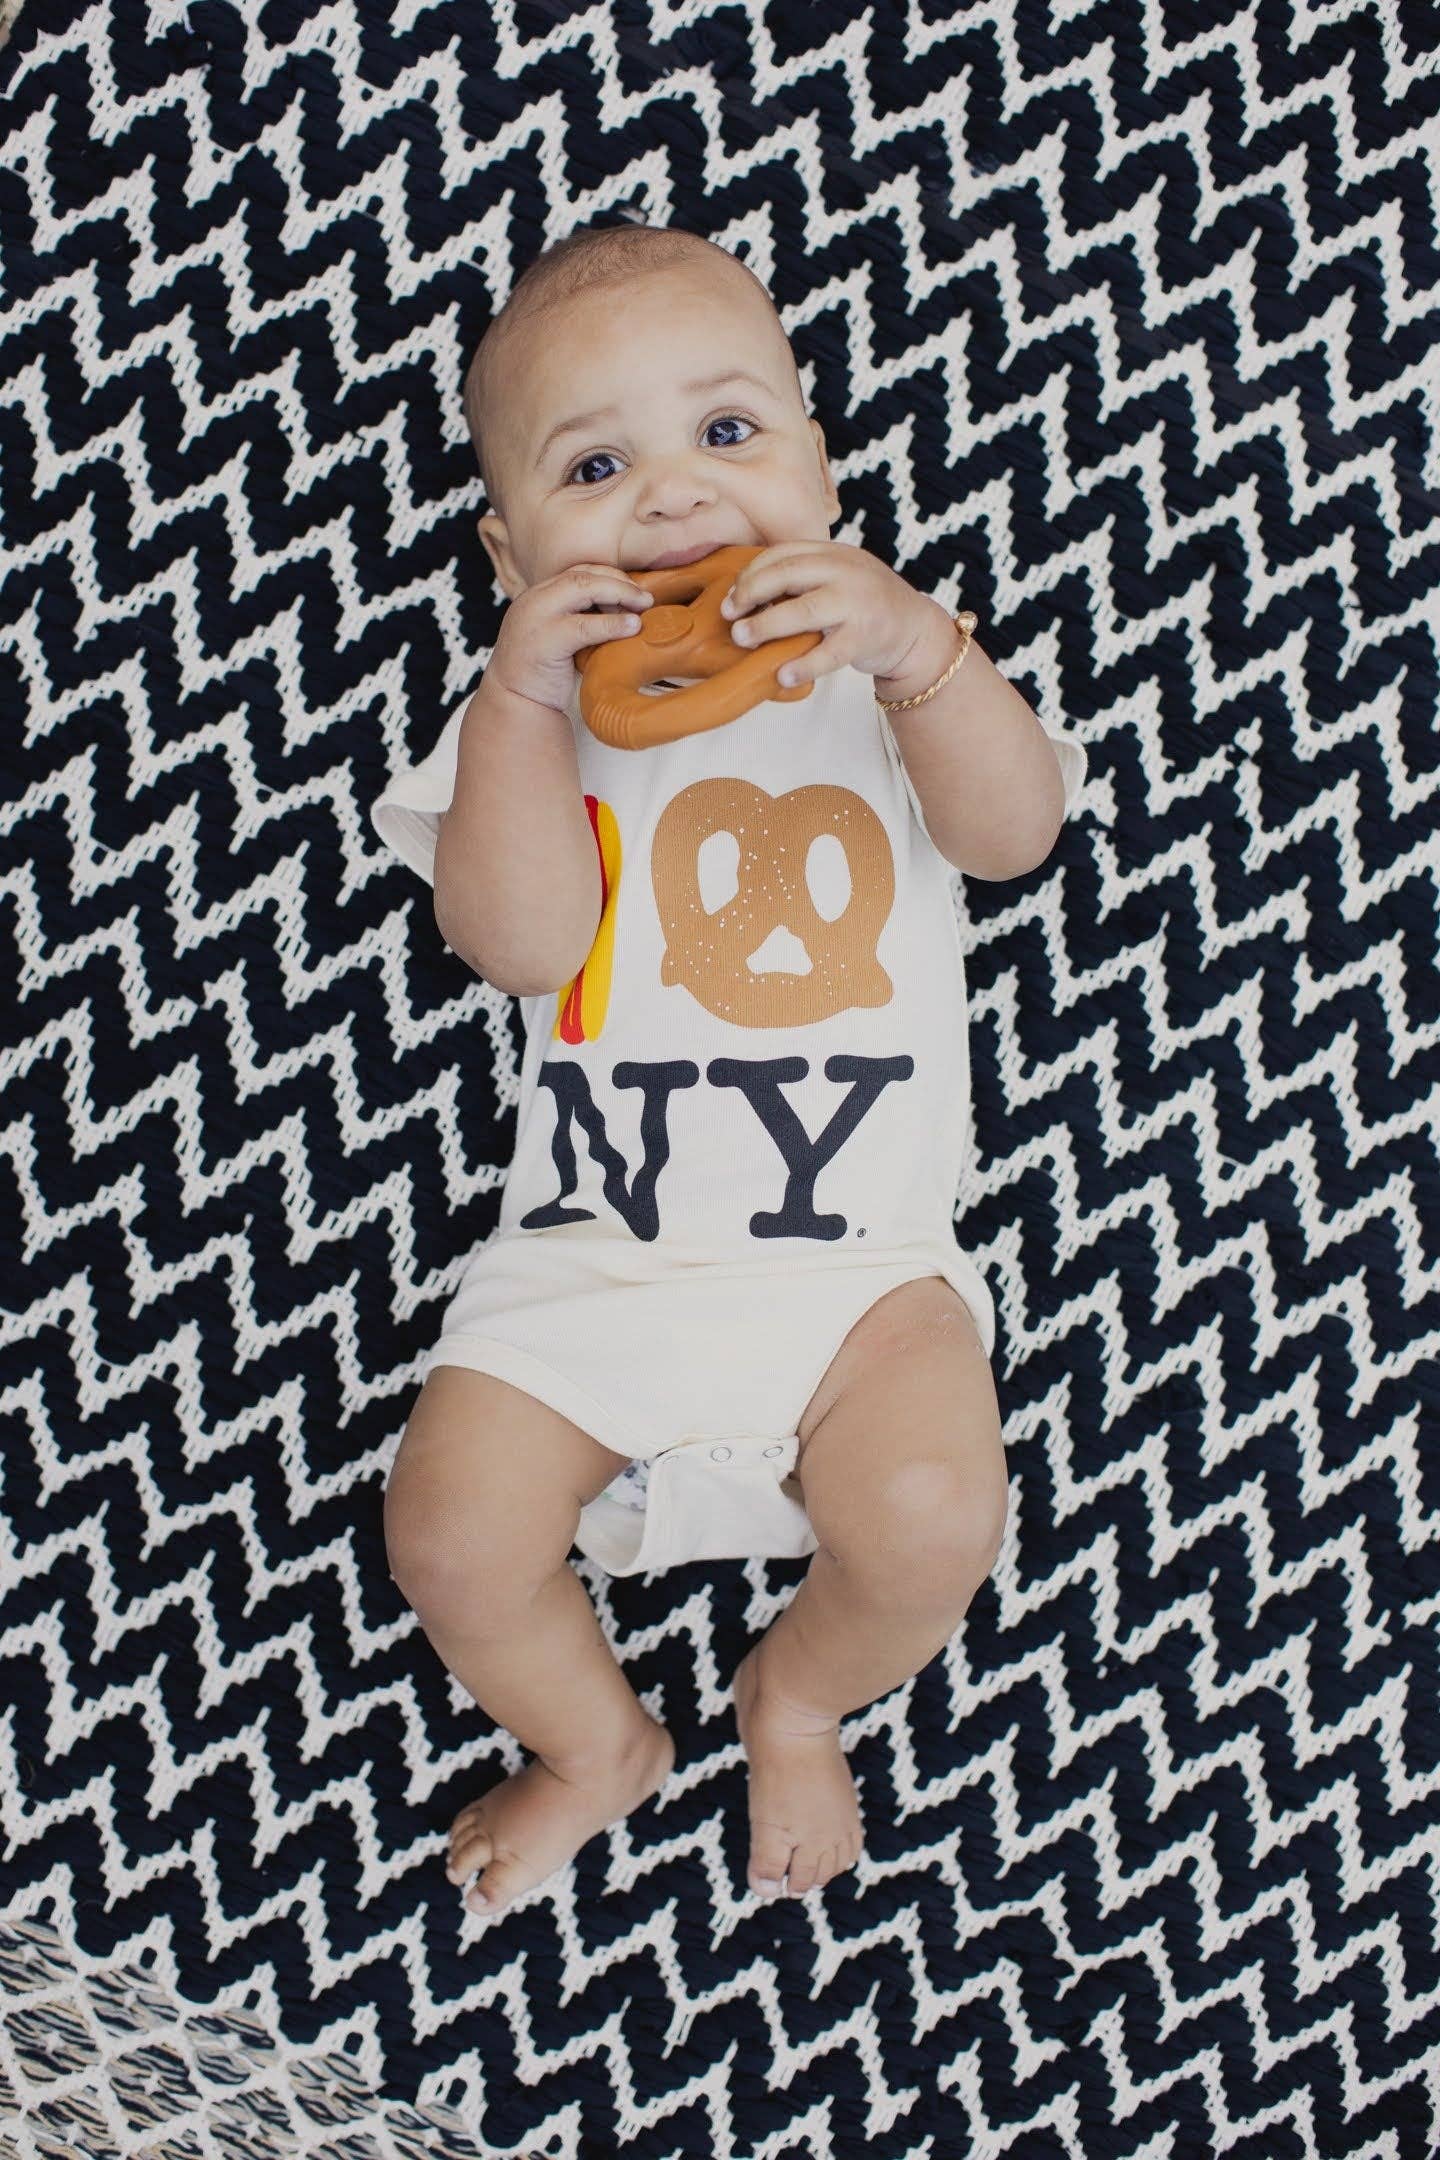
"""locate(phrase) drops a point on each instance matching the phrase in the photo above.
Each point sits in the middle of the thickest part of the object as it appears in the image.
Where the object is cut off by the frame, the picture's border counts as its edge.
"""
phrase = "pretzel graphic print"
(709, 954)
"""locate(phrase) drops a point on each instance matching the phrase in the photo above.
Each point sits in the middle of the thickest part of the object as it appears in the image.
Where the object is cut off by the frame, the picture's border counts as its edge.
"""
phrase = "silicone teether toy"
(683, 633)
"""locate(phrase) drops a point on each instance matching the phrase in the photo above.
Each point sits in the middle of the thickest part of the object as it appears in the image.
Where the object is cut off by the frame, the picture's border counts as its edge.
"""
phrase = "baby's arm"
(978, 758)
(517, 875)
(518, 883)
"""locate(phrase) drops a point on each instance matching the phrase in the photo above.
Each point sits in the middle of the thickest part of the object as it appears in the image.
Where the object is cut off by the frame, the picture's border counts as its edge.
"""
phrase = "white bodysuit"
(743, 1123)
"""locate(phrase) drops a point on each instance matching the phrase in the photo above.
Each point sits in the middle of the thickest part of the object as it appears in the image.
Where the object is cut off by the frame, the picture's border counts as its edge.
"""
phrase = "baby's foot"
(804, 1810)
(531, 1824)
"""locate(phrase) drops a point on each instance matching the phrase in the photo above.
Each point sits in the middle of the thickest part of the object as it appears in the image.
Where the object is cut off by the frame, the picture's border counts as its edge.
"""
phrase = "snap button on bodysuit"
(719, 1454)
(775, 1450)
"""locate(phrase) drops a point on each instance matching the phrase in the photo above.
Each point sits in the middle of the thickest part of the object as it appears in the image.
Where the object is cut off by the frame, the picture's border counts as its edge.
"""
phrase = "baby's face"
(653, 420)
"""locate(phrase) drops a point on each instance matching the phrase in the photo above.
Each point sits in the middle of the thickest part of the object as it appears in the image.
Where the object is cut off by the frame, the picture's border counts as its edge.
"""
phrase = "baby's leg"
(480, 1511)
(902, 1469)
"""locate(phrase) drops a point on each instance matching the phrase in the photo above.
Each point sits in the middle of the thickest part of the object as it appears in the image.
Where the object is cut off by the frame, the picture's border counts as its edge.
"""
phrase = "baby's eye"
(596, 457)
(730, 420)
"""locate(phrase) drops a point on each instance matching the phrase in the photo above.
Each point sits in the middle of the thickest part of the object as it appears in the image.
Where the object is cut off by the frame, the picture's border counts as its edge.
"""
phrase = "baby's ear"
(828, 478)
(496, 542)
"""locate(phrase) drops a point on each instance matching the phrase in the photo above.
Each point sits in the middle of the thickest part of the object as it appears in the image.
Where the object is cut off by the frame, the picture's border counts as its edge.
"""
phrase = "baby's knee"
(450, 1558)
(927, 1530)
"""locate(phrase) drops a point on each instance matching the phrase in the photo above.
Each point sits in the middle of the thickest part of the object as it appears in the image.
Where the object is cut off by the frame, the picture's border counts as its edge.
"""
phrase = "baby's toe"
(770, 1849)
(470, 1847)
(809, 1867)
(505, 1876)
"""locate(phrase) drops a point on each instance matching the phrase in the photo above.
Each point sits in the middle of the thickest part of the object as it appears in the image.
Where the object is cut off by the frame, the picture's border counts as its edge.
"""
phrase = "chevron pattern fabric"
(1123, 325)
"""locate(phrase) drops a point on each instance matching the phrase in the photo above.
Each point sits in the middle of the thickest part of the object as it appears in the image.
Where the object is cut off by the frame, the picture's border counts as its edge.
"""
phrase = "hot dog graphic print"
(709, 952)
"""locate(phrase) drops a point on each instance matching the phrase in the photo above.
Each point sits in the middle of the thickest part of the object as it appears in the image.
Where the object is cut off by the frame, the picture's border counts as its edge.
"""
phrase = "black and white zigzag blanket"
(1121, 323)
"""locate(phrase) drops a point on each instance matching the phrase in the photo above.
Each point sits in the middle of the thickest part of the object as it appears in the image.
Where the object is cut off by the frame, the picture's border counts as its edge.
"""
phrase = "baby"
(770, 1317)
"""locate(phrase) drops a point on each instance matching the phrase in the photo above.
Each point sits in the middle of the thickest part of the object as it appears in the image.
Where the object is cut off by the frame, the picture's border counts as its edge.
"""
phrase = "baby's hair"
(593, 257)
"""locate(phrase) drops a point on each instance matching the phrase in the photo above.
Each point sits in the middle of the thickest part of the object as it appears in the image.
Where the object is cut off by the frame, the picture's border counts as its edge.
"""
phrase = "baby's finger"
(822, 659)
(605, 624)
(784, 618)
(592, 585)
(775, 574)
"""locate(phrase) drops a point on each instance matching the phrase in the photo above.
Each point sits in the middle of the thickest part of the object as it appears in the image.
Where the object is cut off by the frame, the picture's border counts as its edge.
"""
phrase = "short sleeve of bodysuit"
(407, 814)
(764, 1056)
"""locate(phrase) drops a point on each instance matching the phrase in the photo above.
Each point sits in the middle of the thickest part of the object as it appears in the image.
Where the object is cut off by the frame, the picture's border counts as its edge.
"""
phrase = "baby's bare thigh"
(487, 1474)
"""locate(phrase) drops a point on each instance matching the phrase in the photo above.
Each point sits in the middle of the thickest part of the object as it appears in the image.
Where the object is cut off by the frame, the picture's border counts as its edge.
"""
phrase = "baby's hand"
(868, 616)
(547, 624)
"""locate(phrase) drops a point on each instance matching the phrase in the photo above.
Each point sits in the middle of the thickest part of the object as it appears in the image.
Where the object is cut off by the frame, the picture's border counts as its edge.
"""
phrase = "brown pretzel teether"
(684, 633)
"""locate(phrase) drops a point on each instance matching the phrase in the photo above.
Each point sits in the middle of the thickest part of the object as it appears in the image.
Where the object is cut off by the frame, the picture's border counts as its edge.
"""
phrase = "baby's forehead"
(681, 369)
(751, 323)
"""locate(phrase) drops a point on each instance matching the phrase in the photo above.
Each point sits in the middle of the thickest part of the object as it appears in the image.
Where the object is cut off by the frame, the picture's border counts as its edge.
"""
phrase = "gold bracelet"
(965, 623)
